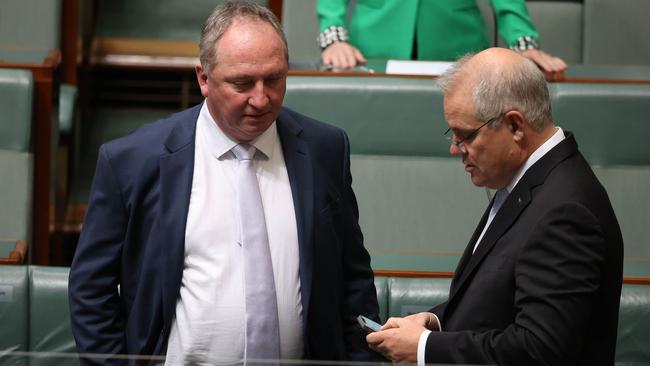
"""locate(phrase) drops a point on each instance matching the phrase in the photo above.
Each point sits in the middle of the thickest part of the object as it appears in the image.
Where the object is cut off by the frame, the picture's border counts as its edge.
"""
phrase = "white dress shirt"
(549, 144)
(209, 325)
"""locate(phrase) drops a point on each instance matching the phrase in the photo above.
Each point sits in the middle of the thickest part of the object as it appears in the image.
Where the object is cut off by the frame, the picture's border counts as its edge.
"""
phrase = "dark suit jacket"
(544, 284)
(133, 236)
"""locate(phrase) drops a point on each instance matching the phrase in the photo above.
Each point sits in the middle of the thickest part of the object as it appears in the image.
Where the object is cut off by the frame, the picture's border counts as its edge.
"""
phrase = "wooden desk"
(43, 65)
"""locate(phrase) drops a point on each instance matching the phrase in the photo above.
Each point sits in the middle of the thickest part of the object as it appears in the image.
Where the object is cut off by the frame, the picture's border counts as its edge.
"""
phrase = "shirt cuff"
(524, 43)
(422, 345)
(332, 34)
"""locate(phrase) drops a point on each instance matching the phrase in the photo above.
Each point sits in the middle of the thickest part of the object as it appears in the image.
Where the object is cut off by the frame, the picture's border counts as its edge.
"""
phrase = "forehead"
(459, 109)
(249, 40)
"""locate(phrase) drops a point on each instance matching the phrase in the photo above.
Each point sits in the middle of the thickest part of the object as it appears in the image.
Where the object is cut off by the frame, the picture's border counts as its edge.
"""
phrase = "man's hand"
(552, 66)
(425, 319)
(398, 338)
(342, 55)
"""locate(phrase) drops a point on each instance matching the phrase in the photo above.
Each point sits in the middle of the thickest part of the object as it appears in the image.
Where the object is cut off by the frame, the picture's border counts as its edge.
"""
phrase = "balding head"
(499, 80)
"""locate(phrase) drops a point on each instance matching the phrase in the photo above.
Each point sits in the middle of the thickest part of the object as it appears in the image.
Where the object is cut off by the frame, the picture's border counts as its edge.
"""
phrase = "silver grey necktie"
(262, 328)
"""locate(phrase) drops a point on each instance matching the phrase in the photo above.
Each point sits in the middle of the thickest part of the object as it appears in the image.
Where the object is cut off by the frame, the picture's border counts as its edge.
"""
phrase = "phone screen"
(368, 325)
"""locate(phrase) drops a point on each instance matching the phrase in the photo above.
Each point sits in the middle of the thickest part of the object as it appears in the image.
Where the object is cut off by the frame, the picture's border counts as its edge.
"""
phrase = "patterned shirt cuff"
(332, 34)
(524, 43)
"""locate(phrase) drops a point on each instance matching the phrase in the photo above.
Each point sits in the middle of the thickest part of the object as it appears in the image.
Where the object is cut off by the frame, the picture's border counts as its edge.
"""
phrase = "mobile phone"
(368, 325)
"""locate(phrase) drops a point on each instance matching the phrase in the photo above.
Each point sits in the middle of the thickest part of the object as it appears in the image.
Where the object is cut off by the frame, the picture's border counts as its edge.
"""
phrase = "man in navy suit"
(540, 280)
(158, 271)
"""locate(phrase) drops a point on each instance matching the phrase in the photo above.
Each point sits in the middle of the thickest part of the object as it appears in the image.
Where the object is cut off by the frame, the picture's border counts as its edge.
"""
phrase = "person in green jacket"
(424, 30)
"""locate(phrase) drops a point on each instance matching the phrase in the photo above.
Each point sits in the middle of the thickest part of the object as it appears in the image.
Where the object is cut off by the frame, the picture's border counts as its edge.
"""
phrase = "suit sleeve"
(513, 21)
(360, 292)
(557, 278)
(96, 318)
(331, 13)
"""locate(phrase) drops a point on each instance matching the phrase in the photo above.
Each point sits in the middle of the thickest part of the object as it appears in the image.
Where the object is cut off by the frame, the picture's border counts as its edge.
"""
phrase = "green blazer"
(446, 29)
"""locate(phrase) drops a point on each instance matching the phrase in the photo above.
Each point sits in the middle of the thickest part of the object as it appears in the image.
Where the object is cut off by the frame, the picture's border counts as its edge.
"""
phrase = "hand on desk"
(399, 337)
(342, 55)
(552, 66)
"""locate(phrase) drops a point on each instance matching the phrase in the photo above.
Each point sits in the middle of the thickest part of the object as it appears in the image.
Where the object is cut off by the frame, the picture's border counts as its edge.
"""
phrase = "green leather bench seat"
(154, 19)
(49, 320)
(616, 32)
(382, 116)
(14, 305)
(106, 123)
(558, 22)
(30, 25)
(632, 346)
(34, 313)
(409, 189)
(16, 159)
(16, 95)
(67, 102)
(560, 27)
(418, 207)
(411, 295)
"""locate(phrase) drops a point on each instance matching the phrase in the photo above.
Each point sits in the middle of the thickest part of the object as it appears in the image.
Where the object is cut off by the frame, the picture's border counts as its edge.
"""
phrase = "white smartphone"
(368, 325)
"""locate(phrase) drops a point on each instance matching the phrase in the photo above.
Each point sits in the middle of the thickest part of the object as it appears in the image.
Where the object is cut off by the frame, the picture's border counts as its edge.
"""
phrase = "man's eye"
(241, 84)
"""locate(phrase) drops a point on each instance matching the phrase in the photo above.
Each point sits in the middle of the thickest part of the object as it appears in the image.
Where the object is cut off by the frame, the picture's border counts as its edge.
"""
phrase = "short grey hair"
(521, 87)
(222, 17)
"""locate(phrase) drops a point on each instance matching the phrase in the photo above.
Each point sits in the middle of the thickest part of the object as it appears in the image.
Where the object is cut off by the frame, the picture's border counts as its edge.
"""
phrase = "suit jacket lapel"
(514, 205)
(467, 255)
(299, 168)
(176, 172)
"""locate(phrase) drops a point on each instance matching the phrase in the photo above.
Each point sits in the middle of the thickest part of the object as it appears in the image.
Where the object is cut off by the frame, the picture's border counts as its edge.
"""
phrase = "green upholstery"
(16, 160)
(399, 159)
(49, 320)
(16, 99)
(632, 347)
(616, 32)
(154, 19)
(14, 305)
(382, 116)
(599, 113)
(106, 123)
(34, 314)
(560, 27)
(413, 295)
(67, 102)
(558, 22)
(300, 23)
(633, 73)
(417, 206)
(381, 284)
(16, 195)
(30, 24)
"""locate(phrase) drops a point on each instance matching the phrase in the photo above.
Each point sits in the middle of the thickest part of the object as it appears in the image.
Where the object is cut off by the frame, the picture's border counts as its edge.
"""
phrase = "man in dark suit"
(540, 280)
(159, 268)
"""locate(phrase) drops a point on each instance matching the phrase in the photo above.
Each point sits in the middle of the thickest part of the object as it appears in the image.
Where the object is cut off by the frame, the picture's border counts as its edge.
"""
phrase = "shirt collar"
(220, 143)
(557, 137)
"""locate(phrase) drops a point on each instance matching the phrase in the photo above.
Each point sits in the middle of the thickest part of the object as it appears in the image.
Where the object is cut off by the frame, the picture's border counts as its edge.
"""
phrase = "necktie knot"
(244, 151)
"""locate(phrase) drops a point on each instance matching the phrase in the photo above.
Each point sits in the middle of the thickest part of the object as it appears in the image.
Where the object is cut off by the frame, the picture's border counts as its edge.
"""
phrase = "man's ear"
(516, 124)
(202, 79)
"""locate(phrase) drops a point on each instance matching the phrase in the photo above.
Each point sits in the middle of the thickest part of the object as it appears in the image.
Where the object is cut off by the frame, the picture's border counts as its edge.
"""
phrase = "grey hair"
(521, 87)
(222, 17)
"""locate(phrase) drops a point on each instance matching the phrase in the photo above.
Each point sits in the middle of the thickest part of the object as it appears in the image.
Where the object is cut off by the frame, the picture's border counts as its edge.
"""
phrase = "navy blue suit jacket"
(133, 236)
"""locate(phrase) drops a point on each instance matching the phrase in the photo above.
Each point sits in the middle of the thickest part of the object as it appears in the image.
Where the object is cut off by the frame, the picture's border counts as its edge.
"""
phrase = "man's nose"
(455, 150)
(259, 98)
